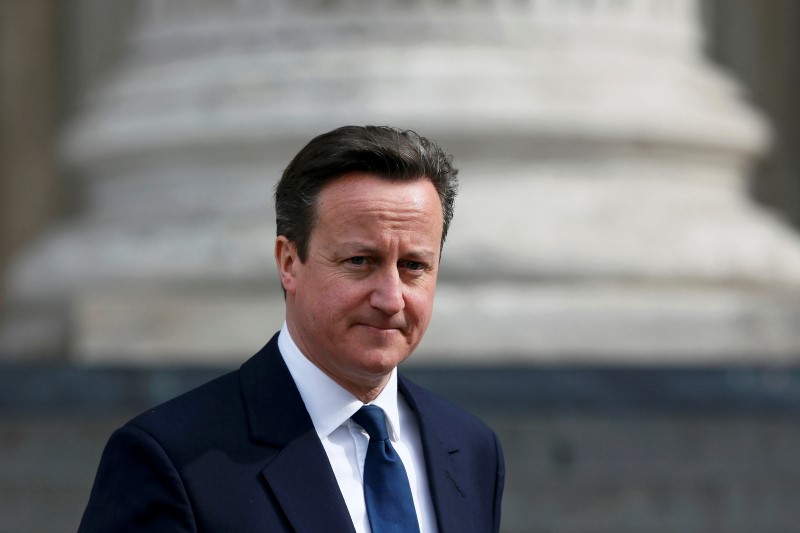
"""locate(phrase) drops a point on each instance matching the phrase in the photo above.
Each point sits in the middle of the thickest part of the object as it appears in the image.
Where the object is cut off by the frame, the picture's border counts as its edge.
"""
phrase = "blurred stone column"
(28, 117)
(603, 215)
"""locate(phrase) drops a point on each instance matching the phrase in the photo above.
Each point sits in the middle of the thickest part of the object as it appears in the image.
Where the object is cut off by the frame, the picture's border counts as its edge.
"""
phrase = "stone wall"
(603, 214)
(587, 450)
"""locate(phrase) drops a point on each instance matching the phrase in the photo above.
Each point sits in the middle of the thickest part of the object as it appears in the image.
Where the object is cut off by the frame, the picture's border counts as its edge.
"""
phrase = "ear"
(287, 261)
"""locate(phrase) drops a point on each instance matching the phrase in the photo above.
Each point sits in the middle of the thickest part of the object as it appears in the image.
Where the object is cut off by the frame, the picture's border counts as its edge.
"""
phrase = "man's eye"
(414, 265)
(359, 260)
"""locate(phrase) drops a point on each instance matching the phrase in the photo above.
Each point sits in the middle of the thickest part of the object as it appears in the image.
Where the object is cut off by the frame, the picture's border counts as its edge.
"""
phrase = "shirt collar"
(328, 404)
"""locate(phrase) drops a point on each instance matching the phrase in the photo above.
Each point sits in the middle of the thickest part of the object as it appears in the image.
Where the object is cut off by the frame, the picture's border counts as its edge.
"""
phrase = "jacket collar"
(278, 418)
(442, 459)
(275, 410)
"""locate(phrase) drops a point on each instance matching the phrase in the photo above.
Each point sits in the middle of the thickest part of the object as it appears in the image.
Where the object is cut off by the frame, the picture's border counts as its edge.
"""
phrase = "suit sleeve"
(499, 484)
(137, 488)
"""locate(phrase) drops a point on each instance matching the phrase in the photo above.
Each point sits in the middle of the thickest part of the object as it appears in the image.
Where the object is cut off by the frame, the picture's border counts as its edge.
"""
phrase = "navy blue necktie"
(390, 507)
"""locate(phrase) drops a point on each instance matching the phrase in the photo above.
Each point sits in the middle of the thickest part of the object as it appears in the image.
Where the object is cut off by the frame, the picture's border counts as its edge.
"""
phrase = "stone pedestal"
(603, 214)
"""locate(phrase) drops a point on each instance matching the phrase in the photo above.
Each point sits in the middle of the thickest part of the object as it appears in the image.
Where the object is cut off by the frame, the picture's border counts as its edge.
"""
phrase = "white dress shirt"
(345, 442)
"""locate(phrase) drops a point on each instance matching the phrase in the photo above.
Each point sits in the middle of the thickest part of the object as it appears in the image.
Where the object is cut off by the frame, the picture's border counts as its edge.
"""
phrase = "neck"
(364, 387)
(365, 393)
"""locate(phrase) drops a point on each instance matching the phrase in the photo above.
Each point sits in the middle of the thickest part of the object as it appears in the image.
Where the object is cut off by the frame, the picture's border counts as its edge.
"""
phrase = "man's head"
(390, 153)
(360, 231)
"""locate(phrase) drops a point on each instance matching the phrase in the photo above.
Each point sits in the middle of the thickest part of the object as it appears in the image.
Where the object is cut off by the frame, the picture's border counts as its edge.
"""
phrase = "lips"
(382, 327)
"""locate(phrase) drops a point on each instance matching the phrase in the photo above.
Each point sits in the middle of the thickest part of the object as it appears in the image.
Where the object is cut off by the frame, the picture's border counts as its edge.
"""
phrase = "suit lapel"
(302, 480)
(441, 462)
(300, 474)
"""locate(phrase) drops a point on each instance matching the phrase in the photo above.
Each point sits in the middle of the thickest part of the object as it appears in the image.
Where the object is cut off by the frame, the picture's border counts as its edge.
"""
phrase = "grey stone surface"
(587, 450)
(603, 216)
(47, 465)
(650, 473)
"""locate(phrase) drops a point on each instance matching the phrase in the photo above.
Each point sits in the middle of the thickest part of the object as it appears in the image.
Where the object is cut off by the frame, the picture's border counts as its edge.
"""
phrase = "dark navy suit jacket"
(240, 453)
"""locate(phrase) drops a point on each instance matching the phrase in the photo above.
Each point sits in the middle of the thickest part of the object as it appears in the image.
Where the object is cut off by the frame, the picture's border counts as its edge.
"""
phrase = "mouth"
(381, 329)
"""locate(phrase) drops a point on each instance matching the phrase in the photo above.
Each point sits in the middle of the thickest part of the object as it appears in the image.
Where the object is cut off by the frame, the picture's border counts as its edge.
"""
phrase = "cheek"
(347, 296)
(333, 308)
(420, 305)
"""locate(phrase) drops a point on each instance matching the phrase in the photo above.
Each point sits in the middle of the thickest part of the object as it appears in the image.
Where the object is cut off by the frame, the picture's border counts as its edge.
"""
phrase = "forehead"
(365, 190)
(374, 203)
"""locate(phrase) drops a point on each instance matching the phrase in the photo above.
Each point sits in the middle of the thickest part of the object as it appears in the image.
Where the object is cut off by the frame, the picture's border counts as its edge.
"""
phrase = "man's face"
(362, 300)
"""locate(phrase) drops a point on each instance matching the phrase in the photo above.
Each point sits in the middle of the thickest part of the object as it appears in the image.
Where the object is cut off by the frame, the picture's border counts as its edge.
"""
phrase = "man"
(318, 432)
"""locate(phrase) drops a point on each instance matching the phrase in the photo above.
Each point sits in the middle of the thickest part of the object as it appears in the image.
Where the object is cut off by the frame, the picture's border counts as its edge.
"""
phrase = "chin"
(381, 362)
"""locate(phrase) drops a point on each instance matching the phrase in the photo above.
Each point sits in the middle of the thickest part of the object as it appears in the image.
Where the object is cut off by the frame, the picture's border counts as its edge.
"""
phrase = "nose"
(387, 294)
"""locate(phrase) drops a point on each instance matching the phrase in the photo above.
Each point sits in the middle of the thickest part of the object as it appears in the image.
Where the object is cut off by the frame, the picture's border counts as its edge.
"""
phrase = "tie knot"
(372, 419)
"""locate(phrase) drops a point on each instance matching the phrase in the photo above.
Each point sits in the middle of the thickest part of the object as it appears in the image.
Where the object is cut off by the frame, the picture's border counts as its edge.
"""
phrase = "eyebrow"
(360, 248)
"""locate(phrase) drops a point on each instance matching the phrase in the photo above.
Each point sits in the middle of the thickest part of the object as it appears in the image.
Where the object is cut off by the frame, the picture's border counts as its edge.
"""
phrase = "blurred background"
(619, 294)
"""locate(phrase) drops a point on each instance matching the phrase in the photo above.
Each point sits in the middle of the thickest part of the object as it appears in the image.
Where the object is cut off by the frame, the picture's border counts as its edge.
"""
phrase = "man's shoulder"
(197, 412)
(217, 403)
(437, 411)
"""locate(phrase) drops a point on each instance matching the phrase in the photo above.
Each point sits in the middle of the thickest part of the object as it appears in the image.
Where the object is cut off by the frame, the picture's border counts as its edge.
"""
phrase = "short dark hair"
(386, 152)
